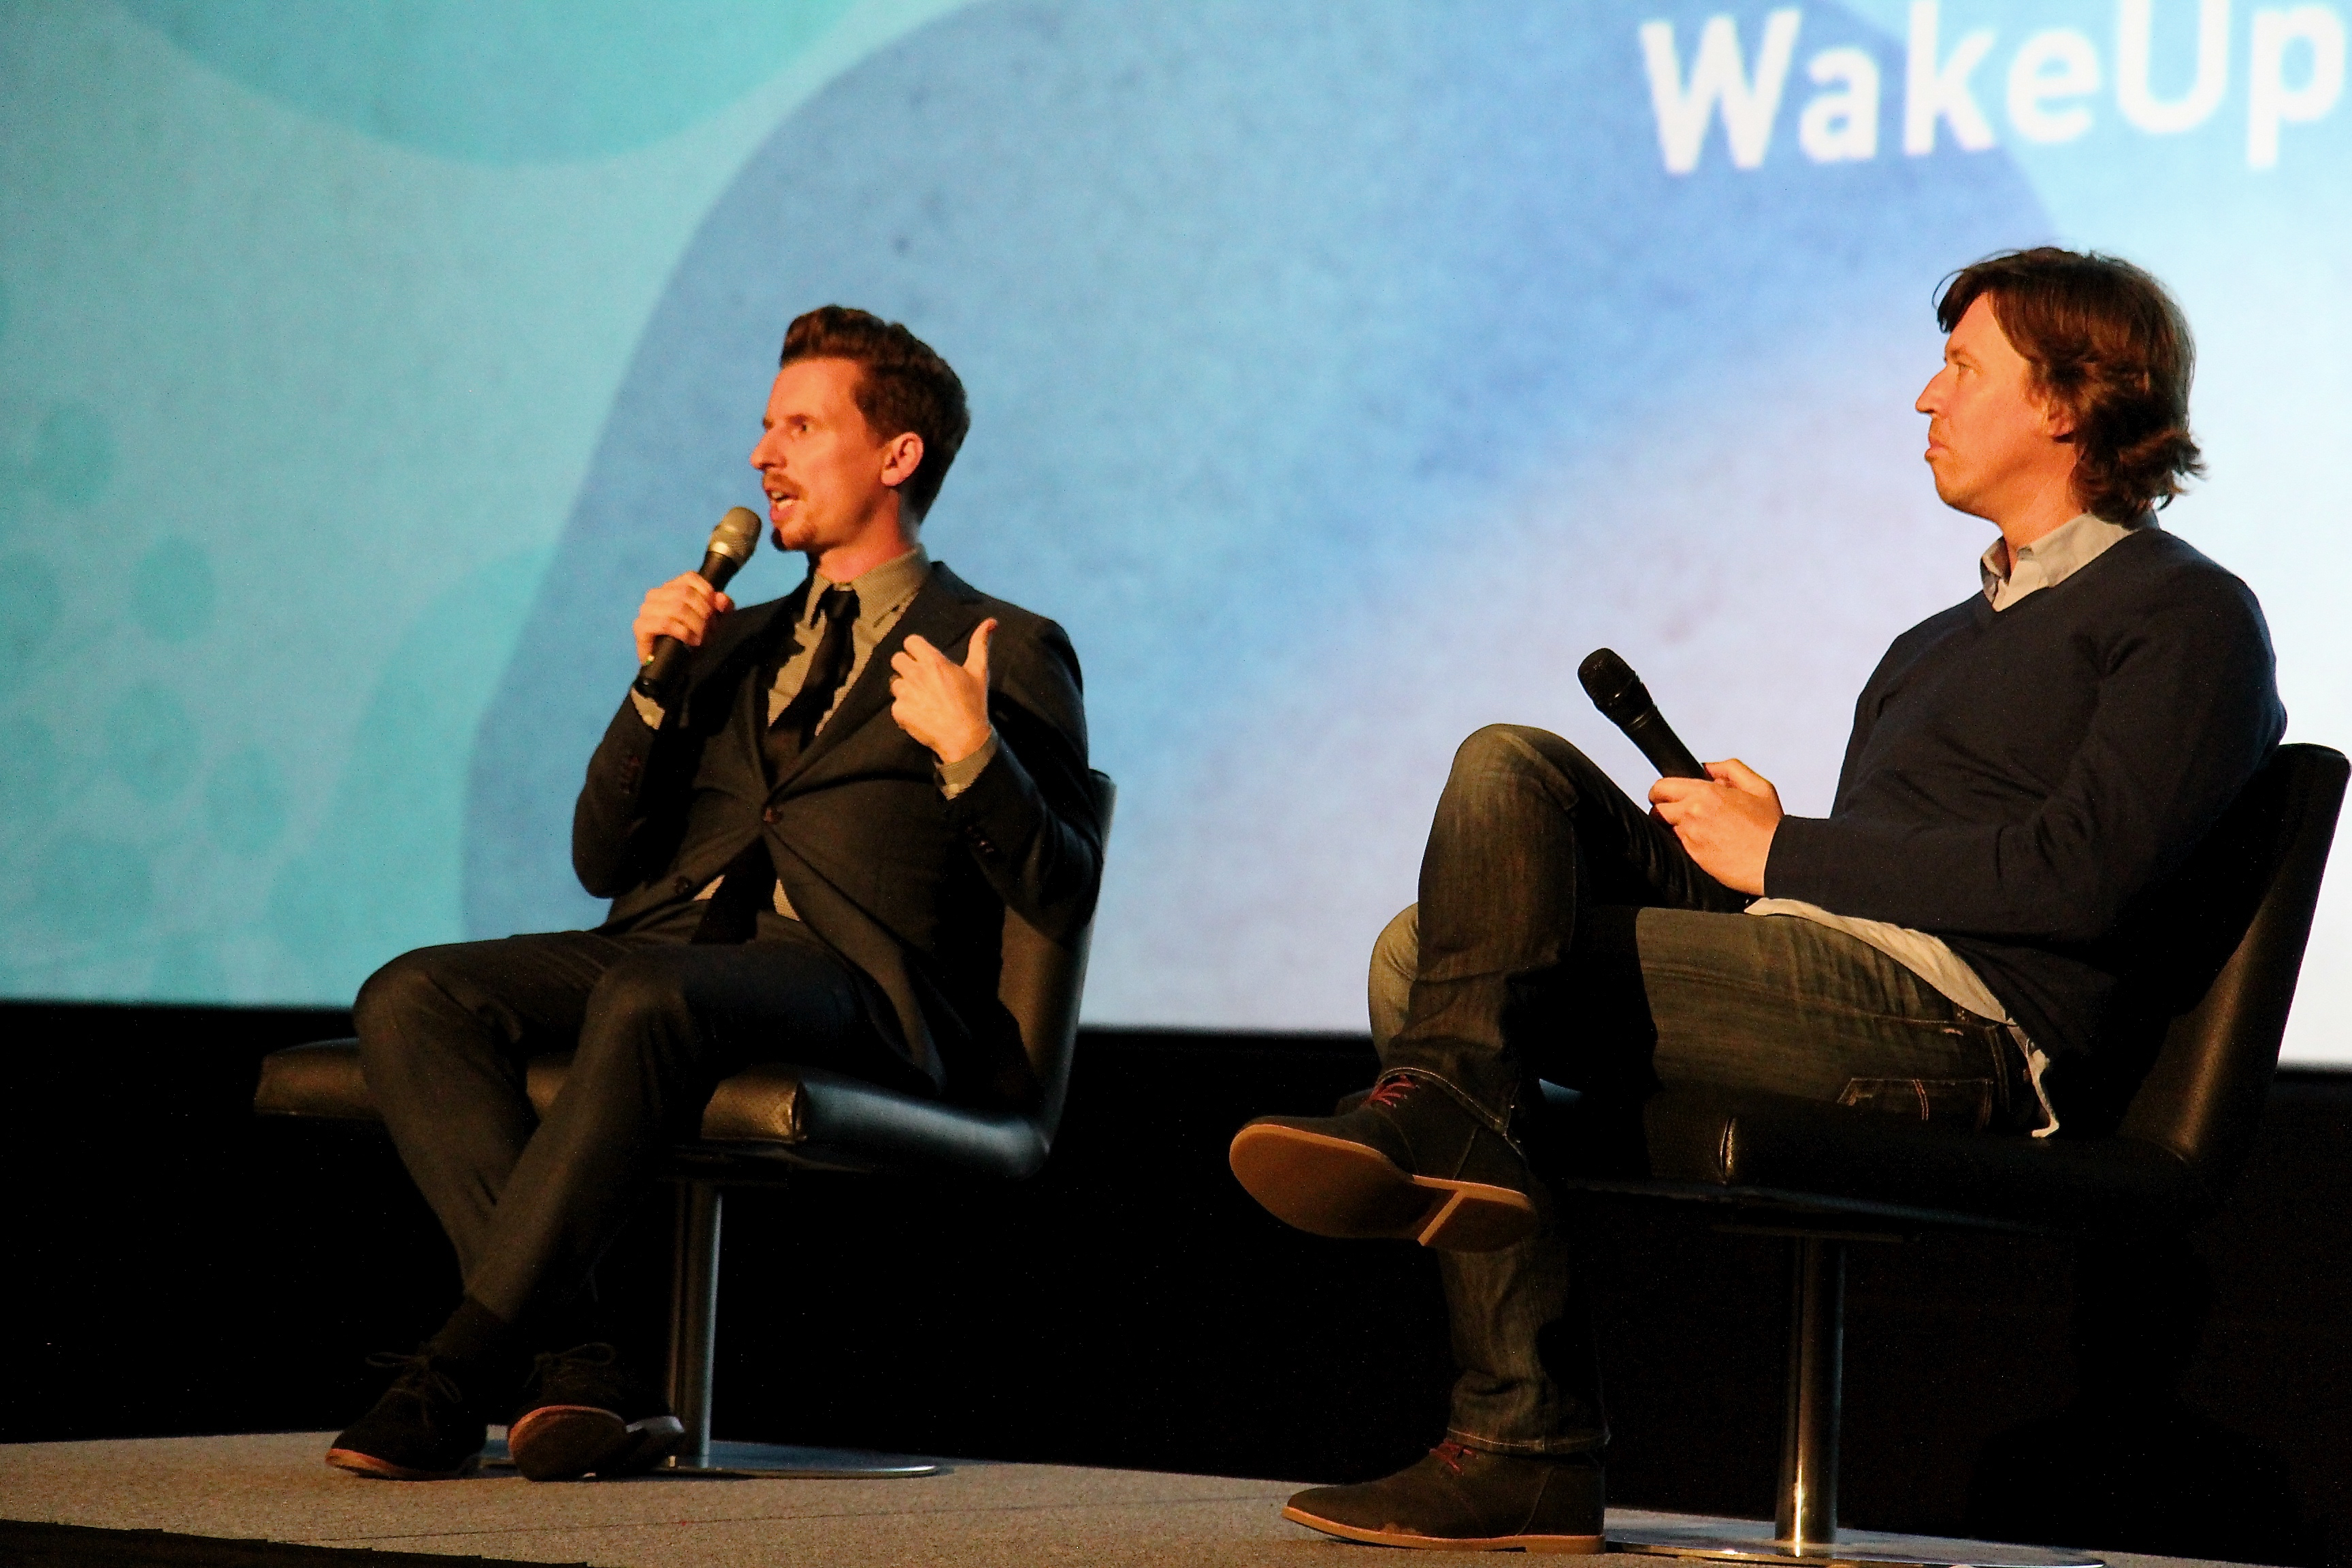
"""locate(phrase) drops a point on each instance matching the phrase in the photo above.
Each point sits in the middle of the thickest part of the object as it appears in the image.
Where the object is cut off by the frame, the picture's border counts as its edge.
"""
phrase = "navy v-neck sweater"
(2018, 781)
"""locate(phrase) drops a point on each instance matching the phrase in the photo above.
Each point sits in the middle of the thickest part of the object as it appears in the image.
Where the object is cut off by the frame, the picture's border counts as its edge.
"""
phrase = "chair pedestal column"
(1807, 1516)
(693, 1359)
(694, 1316)
(1806, 1527)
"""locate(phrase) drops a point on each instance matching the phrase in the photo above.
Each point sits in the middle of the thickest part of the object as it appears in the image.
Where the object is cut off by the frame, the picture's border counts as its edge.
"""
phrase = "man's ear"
(901, 455)
(2056, 417)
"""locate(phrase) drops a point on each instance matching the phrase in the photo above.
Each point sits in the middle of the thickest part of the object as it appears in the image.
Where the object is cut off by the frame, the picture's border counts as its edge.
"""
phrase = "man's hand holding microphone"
(1725, 813)
(1725, 820)
(682, 609)
(941, 703)
(676, 615)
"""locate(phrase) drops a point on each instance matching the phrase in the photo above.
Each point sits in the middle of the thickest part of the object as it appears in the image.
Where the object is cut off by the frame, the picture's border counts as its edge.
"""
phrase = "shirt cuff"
(647, 709)
(957, 776)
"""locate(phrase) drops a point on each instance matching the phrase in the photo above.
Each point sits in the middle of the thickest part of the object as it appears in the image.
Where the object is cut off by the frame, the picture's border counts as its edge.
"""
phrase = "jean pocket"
(1954, 1101)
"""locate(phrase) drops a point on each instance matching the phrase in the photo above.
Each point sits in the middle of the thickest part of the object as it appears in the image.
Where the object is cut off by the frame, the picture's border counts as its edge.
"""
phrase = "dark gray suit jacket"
(911, 888)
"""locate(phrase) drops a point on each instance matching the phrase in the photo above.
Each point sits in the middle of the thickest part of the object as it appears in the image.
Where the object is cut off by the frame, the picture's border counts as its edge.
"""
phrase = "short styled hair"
(902, 385)
(2109, 347)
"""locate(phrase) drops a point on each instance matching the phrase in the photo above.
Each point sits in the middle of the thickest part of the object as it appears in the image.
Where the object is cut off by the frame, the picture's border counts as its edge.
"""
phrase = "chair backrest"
(1040, 983)
(2243, 904)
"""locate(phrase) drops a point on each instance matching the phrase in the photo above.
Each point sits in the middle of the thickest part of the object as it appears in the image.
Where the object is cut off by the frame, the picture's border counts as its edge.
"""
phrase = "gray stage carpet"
(972, 1515)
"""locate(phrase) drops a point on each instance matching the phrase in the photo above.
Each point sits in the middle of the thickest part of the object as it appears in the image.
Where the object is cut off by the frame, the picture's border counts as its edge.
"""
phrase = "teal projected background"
(1341, 374)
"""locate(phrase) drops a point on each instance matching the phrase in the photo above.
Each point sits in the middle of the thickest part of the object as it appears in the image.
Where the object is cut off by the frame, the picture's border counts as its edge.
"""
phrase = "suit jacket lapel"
(744, 637)
(943, 611)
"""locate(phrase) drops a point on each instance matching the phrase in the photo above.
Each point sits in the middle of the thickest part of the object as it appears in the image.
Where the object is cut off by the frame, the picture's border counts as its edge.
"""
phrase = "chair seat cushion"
(1803, 1154)
(772, 1114)
(321, 1081)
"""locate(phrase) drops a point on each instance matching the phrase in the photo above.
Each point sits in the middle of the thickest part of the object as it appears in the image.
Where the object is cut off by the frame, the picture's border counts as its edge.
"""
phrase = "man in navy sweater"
(2025, 771)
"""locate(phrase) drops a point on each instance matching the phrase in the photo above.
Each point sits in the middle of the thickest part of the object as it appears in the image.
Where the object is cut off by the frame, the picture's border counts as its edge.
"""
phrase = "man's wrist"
(1764, 859)
(958, 776)
(954, 751)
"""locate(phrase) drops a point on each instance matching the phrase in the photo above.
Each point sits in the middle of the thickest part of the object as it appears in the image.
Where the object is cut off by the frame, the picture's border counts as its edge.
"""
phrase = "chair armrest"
(807, 1115)
(323, 1080)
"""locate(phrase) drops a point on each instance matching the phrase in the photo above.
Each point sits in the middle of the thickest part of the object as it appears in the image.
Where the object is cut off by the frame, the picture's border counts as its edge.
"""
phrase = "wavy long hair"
(2110, 349)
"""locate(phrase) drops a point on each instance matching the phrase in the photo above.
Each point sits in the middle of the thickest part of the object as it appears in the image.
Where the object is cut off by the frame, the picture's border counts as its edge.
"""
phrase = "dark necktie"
(836, 650)
(748, 885)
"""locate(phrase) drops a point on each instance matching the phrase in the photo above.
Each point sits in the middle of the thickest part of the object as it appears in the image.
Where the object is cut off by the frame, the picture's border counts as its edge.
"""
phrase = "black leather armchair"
(2222, 954)
(766, 1123)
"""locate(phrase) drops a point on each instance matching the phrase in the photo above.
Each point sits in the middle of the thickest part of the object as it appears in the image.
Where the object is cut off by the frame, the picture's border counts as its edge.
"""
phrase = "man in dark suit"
(809, 850)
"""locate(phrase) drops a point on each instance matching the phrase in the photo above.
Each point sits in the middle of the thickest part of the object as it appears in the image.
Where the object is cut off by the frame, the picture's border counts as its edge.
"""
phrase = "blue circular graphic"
(172, 590)
(73, 454)
(153, 741)
(32, 774)
(32, 596)
(92, 889)
(244, 802)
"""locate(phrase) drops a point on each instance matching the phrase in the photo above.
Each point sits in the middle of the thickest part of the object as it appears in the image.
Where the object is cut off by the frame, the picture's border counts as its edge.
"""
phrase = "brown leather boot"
(1459, 1498)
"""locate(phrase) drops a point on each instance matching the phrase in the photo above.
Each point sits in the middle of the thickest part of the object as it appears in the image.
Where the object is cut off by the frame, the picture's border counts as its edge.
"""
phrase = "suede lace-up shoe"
(425, 1427)
(1458, 1499)
(585, 1413)
(1411, 1161)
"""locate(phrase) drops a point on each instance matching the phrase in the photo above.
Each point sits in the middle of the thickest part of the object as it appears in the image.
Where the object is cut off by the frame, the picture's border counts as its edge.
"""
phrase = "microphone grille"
(737, 535)
(1611, 684)
(1604, 674)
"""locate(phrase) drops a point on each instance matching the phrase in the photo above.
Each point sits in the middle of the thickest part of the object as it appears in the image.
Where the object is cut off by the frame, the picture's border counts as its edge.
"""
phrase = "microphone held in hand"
(1622, 698)
(732, 544)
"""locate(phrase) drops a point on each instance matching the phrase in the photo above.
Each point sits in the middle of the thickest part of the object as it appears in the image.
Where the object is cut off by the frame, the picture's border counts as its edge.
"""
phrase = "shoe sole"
(1330, 1186)
(650, 1442)
(1575, 1545)
(565, 1442)
(376, 1469)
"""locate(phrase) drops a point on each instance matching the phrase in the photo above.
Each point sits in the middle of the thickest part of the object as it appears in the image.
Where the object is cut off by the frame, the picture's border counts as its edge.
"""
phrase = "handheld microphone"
(732, 544)
(1622, 698)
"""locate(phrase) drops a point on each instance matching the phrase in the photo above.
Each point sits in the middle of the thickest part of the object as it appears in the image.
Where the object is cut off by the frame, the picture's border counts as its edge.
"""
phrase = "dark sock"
(482, 1343)
(559, 1324)
(575, 1325)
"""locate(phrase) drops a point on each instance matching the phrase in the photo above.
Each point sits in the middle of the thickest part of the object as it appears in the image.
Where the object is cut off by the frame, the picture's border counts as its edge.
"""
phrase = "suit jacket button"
(681, 886)
(770, 816)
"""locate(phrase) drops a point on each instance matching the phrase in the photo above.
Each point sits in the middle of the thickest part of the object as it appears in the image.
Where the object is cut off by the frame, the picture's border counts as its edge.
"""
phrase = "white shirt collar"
(2053, 558)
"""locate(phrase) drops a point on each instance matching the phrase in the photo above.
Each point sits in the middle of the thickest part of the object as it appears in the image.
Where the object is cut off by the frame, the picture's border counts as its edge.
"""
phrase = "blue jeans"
(1564, 934)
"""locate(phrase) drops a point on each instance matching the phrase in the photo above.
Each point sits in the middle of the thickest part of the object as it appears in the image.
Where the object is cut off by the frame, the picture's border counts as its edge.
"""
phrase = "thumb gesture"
(975, 659)
(942, 704)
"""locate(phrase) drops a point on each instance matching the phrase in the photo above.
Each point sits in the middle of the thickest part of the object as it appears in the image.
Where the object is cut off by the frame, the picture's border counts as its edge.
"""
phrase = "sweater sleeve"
(2186, 709)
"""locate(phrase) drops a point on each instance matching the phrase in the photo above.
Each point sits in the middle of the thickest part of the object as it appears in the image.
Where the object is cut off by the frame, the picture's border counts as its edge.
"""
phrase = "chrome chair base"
(1750, 1540)
(780, 1461)
(769, 1461)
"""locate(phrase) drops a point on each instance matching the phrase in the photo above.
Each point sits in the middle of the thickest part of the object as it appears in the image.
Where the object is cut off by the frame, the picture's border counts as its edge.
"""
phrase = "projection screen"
(1343, 373)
